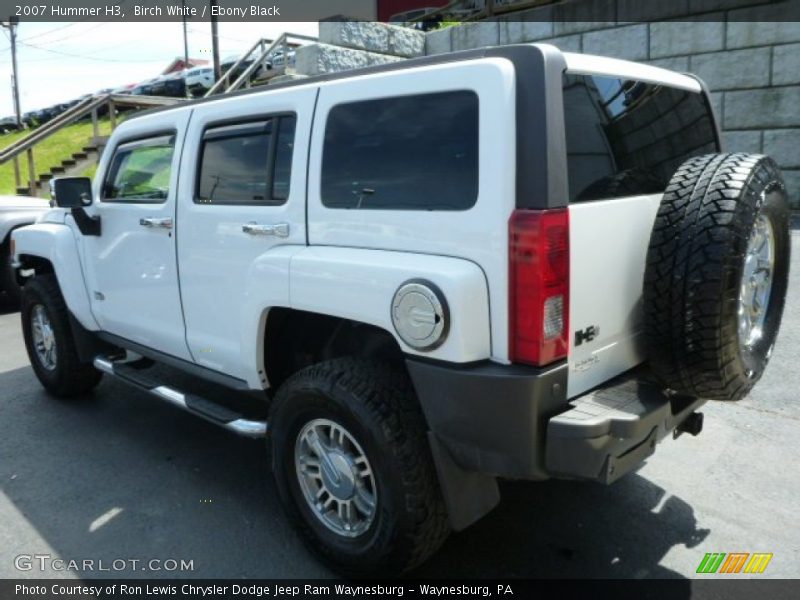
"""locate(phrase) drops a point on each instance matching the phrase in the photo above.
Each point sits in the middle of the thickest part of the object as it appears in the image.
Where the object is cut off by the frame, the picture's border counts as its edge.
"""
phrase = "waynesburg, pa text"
(201, 591)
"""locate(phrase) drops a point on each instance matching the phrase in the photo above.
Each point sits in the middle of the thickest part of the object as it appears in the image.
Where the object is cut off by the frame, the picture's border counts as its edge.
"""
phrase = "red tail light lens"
(538, 250)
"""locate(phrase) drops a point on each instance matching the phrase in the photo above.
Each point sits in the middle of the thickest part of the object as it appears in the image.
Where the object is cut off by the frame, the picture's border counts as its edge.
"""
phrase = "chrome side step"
(196, 405)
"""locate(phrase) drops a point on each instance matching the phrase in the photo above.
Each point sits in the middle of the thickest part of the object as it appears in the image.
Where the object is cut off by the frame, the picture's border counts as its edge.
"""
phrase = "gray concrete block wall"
(752, 67)
(378, 38)
(318, 59)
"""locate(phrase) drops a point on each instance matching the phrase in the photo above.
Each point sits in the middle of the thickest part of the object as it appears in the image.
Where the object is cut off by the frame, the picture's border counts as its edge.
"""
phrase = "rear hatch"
(625, 139)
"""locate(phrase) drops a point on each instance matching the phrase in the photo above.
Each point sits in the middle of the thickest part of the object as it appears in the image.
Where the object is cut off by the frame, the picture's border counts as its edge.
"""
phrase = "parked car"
(172, 85)
(279, 62)
(15, 211)
(124, 89)
(43, 115)
(144, 88)
(426, 299)
(28, 119)
(58, 109)
(228, 63)
(199, 80)
(9, 124)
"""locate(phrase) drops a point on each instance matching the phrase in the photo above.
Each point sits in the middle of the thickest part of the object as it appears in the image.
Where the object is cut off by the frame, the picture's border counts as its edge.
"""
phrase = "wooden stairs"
(76, 164)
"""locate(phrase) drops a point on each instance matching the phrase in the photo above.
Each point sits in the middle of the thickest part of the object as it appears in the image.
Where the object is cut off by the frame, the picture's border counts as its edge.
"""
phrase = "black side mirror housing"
(75, 193)
(72, 192)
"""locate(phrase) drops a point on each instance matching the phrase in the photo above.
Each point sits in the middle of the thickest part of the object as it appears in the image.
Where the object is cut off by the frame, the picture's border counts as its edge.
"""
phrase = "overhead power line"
(67, 26)
(85, 57)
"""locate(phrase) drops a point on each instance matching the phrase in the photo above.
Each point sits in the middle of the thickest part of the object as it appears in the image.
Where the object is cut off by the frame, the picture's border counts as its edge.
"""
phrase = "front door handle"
(155, 223)
(280, 230)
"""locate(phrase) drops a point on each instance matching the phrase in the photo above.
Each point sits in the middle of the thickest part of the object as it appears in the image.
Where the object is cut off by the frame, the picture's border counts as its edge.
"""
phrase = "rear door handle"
(156, 223)
(280, 230)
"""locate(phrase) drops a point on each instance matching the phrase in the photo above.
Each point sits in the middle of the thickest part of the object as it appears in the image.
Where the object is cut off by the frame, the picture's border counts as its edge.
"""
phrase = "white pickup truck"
(509, 262)
(15, 211)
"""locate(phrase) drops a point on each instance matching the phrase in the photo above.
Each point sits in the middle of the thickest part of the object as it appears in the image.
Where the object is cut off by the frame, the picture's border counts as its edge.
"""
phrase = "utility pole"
(13, 21)
(185, 38)
(12, 28)
(215, 42)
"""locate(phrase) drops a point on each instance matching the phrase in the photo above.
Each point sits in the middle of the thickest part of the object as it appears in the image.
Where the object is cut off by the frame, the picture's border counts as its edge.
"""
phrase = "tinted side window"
(247, 163)
(410, 152)
(140, 171)
(627, 138)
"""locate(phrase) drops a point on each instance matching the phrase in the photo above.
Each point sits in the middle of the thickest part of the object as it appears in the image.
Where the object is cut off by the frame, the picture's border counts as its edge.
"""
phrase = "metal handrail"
(91, 105)
(245, 76)
(75, 113)
(226, 75)
(281, 40)
(69, 116)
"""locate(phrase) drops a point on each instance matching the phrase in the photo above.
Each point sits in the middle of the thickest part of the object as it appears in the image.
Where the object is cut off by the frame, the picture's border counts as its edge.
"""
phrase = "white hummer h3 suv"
(415, 279)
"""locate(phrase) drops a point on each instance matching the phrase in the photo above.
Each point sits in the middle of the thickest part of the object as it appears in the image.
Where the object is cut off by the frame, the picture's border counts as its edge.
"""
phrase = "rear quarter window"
(627, 138)
(417, 152)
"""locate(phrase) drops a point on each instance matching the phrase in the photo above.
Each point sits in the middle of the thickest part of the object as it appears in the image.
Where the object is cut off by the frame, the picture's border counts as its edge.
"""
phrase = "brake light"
(538, 251)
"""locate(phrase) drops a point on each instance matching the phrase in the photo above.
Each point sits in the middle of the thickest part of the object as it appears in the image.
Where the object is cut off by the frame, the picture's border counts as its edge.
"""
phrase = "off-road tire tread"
(703, 218)
(389, 397)
(78, 378)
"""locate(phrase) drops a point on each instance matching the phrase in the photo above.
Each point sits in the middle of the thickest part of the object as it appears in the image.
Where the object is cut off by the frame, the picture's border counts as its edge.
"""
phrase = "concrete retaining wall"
(751, 66)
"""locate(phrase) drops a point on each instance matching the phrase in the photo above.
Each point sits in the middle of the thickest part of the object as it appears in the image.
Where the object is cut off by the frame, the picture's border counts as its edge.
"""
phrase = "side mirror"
(71, 192)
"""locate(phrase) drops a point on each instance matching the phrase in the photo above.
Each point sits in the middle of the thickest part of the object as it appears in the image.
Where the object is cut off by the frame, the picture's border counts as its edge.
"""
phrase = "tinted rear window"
(626, 138)
(410, 152)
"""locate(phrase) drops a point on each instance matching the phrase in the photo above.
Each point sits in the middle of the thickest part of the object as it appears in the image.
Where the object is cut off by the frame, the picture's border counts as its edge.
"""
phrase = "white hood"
(22, 202)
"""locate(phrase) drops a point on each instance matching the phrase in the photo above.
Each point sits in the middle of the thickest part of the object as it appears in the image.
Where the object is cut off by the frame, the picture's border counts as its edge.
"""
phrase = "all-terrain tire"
(695, 272)
(68, 377)
(377, 404)
(8, 280)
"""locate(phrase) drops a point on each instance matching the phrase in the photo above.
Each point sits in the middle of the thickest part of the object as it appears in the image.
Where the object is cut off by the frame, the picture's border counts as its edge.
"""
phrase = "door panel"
(131, 268)
(229, 218)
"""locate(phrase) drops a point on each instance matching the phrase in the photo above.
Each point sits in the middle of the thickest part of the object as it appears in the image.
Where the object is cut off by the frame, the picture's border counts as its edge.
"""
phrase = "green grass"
(48, 153)
(90, 171)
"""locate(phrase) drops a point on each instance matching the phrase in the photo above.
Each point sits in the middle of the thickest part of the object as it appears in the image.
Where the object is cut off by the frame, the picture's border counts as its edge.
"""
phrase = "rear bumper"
(610, 431)
(516, 422)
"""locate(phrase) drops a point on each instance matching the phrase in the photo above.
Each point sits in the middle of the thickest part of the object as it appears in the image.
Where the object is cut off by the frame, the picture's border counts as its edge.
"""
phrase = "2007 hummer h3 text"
(510, 262)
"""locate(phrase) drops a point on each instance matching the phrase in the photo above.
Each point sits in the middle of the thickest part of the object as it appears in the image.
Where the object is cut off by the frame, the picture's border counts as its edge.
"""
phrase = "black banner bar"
(612, 11)
(222, 589)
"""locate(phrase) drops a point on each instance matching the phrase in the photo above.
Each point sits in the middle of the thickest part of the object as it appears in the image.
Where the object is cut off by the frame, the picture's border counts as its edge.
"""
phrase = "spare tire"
(716, 275)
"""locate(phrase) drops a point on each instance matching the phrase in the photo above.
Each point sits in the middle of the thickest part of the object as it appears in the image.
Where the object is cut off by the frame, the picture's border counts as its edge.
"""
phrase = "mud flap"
(468, 495)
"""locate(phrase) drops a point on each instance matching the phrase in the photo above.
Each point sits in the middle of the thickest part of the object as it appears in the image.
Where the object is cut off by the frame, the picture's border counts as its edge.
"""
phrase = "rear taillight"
(538, 251)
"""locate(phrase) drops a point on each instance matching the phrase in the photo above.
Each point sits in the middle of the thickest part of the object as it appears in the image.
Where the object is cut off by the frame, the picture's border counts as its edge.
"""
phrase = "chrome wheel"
(335, 477)
(759, 265)
(44, 340)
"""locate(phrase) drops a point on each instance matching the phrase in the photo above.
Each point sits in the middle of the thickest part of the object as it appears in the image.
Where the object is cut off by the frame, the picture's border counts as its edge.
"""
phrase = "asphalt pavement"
(123, 477)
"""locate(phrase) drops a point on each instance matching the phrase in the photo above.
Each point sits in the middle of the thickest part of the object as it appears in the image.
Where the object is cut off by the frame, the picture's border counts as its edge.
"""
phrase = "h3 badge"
(586, 335)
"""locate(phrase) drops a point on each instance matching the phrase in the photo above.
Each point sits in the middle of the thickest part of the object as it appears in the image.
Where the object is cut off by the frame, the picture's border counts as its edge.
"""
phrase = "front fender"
(10, 220)
(359, 284)
(56, 243)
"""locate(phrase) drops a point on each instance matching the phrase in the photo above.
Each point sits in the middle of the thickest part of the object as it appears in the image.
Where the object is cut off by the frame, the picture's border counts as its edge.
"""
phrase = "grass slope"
(48, 153)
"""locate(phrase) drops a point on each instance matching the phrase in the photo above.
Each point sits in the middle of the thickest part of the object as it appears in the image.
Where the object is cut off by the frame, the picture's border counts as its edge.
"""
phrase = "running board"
(191, 403)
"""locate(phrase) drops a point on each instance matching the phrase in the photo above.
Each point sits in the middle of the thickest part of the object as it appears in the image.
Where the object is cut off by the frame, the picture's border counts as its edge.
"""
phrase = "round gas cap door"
(419, 314)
